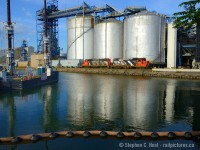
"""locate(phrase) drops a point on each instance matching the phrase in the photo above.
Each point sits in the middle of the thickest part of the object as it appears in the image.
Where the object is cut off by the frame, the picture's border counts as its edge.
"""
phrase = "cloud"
(21, 32)
(24, 30)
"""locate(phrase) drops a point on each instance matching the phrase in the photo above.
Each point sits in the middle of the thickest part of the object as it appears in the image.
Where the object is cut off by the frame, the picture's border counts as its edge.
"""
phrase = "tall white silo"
(108, 39)
(80, 37)
(144, 36)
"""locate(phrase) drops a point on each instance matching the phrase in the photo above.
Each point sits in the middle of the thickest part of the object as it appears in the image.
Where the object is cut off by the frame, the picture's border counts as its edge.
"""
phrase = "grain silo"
(144, 36)
(108, 39)
(80, 31)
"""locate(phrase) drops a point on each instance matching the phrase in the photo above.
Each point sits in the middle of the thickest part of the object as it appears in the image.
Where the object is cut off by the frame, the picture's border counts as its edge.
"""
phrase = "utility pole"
(10, 36)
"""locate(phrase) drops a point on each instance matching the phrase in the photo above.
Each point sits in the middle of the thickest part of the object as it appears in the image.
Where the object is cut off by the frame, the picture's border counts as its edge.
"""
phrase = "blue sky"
(24, 15)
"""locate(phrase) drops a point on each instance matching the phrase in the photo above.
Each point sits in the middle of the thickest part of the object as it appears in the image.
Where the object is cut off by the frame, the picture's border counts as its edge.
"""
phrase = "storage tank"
(144, 36)
(80, 31)
(108, 39)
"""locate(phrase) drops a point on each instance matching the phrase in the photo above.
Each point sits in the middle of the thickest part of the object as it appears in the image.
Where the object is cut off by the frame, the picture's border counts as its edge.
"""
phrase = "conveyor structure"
(53, 14)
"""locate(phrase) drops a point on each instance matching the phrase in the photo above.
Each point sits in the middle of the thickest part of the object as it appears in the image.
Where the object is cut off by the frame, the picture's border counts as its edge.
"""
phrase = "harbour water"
(101, 102)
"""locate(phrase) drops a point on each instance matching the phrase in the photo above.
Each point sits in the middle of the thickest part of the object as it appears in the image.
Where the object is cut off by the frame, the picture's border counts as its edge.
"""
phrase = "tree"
(189, 17)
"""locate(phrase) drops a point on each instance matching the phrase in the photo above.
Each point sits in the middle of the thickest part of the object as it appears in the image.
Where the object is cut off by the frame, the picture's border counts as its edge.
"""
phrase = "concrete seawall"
(137, 72)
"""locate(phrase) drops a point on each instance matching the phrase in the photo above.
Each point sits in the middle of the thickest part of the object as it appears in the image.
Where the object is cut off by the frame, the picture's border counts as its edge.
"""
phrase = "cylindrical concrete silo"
(80, 31)
(108, 39)
(144, 36)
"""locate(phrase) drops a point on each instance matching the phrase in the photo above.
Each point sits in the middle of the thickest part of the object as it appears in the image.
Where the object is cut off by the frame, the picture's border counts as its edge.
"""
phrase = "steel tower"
(51, 29)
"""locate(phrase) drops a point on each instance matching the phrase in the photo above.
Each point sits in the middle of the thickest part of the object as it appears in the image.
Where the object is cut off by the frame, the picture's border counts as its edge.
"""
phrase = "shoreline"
(134, 72)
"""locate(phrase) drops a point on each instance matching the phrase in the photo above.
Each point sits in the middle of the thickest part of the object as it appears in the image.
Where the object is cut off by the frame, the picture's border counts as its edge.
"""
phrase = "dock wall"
(188, 74)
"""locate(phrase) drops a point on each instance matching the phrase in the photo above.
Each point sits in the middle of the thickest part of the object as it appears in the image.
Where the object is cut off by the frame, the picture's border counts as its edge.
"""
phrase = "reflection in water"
(169, 100)
(196, 116)
(11, 116)
(92, 101)
(188, 98)
(79, 102)
(50, 98)
(141, 104)
(25, 108)
(107, 99)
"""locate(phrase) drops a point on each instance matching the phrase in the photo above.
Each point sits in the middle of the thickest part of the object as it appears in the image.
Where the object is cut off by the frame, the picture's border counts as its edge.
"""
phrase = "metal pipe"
(45, 17)
(46, 62)
(160, 30)
(75, 40)
(9, 23)
(83, 29)
(106, 35)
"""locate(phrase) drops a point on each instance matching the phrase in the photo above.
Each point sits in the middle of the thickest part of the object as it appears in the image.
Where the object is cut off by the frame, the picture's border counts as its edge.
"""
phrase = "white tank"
(144, 36)
(108, 39)
(80, 37)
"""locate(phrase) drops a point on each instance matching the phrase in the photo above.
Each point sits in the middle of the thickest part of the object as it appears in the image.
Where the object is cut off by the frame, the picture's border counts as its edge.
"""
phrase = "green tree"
(189, 17)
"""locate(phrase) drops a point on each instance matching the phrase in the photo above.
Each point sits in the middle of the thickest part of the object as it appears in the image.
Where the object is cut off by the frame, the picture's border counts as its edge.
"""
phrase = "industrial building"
(104, 32)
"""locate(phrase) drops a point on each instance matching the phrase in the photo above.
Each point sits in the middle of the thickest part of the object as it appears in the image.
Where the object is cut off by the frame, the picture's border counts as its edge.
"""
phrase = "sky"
(23, 14)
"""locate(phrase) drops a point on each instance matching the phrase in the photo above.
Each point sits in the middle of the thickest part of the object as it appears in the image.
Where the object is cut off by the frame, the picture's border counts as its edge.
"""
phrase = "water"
(101, 102)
